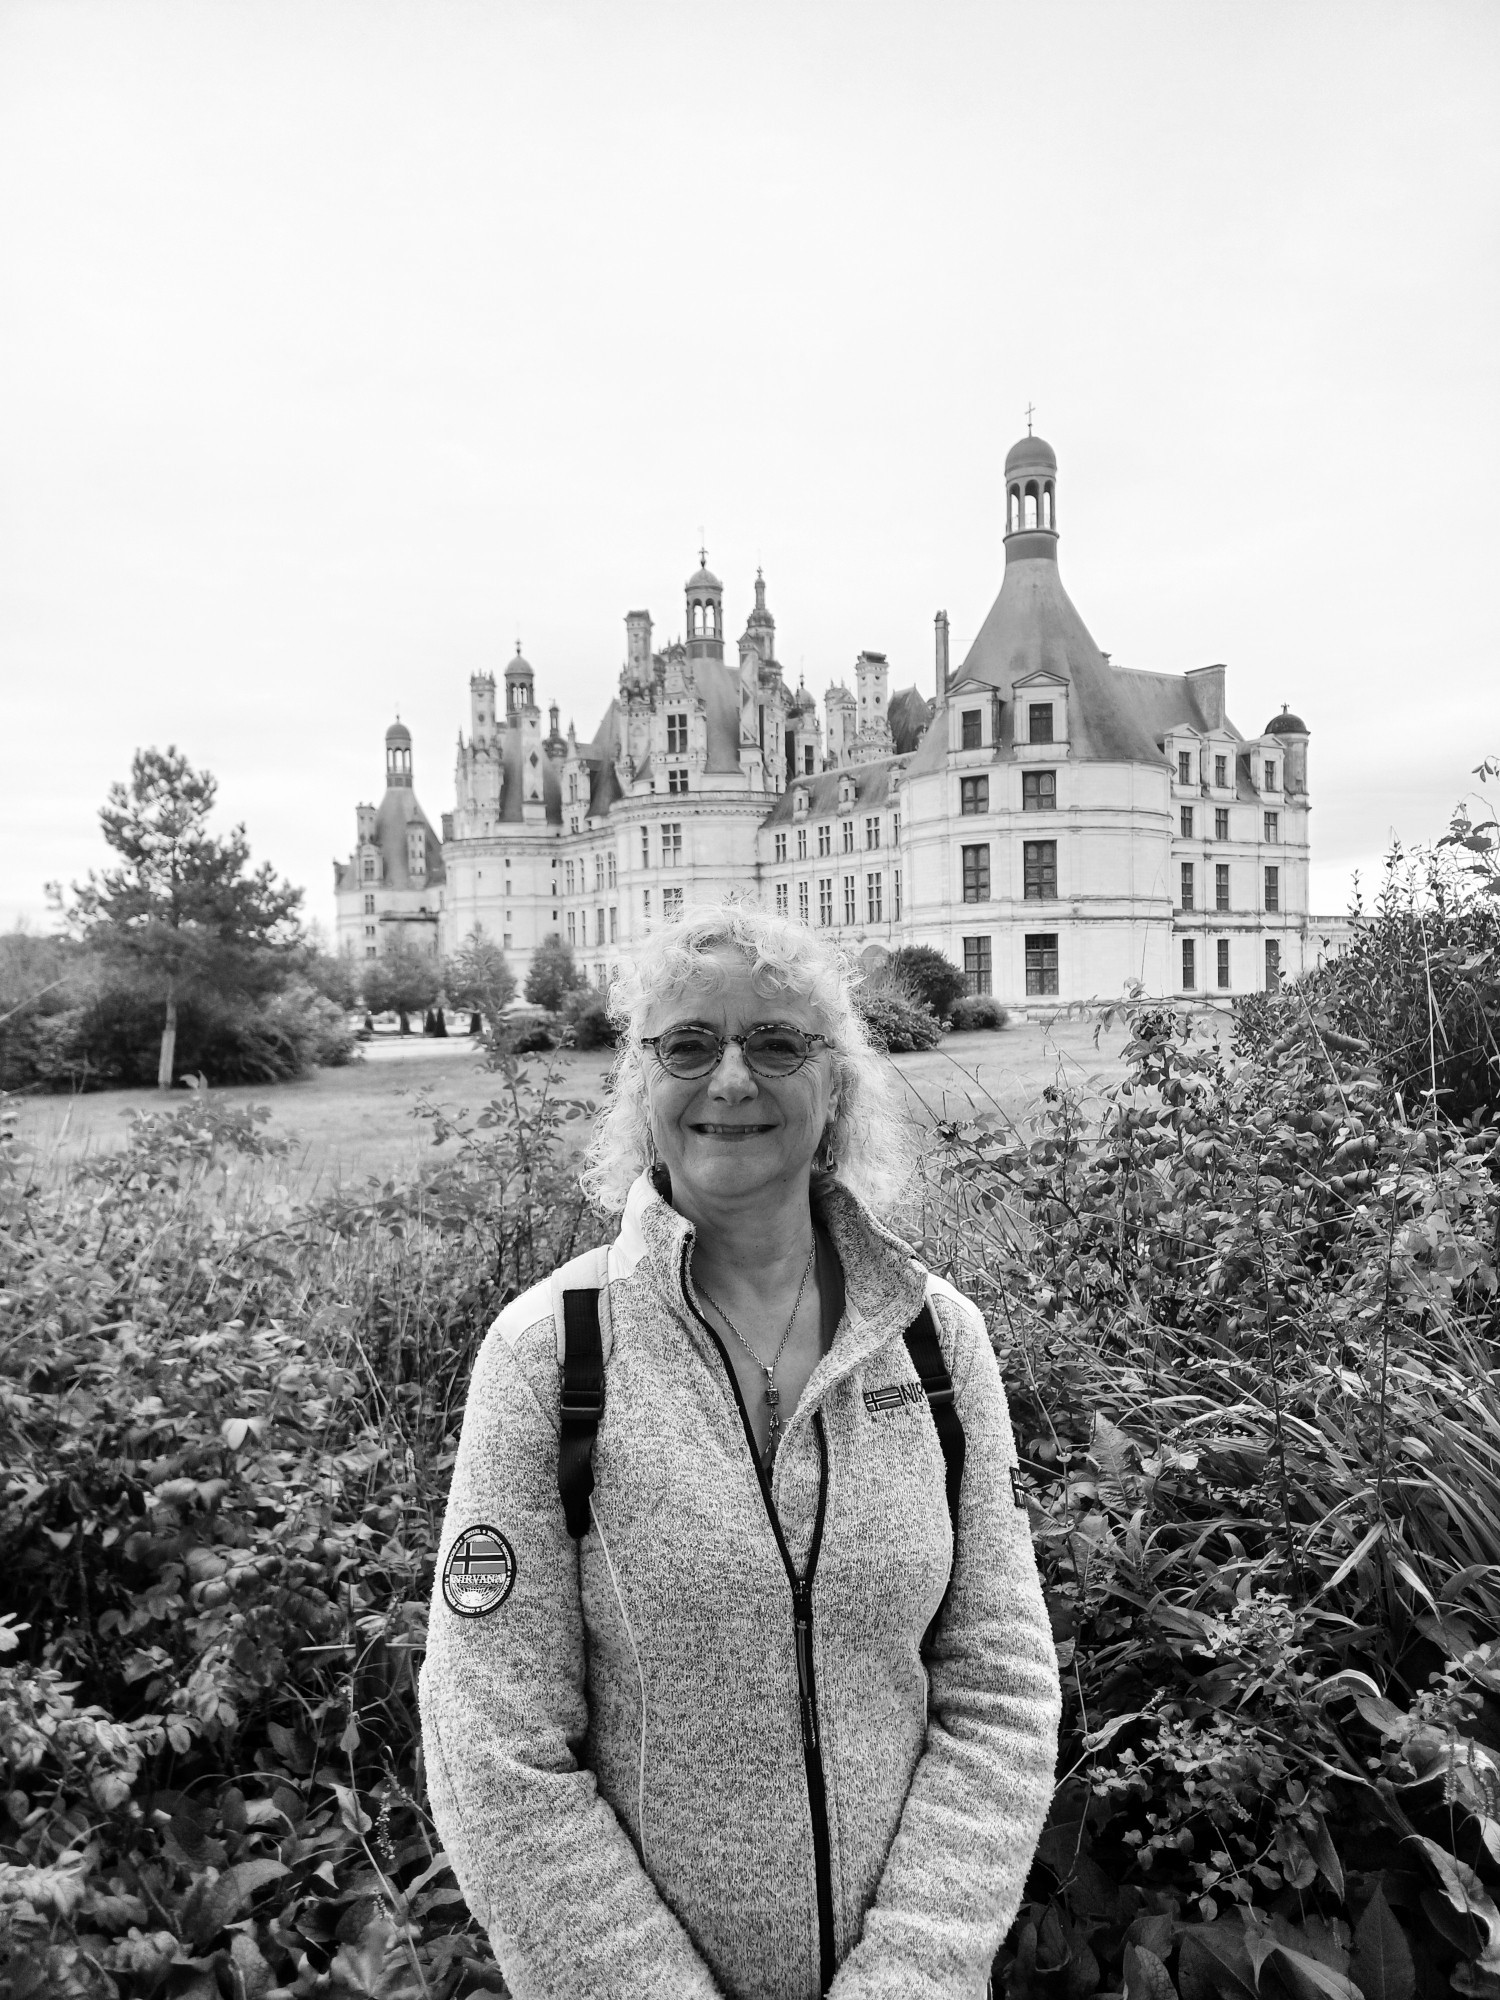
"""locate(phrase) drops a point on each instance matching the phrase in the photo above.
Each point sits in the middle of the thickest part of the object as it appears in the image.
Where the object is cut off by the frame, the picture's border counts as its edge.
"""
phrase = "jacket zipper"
(802, 1632)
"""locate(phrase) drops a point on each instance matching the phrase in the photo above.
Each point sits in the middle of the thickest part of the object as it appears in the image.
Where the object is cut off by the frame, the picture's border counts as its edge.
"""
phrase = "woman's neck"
(752, 1246)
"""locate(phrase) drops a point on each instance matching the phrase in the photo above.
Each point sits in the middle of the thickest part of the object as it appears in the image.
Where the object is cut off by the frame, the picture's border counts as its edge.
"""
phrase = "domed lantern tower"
(518, 685)
(705, 613)
(398, 754)
(1293, 732)
(1030, 500)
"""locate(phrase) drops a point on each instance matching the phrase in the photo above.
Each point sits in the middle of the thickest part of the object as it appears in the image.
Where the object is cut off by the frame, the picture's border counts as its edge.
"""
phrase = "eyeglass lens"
(770, 1051)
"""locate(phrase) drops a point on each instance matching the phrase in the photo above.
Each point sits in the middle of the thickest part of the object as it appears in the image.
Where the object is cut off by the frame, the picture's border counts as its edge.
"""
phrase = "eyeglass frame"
(766, 1076)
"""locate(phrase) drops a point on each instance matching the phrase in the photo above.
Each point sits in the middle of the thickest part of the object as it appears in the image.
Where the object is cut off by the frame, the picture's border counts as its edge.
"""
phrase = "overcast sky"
(341, 345)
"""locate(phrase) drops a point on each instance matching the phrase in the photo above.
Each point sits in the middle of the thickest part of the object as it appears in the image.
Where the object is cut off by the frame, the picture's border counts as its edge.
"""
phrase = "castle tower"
(482, 707)
(705, 613)
(760, 626)
(638, 648)
(1030, 500)
(398, 755)
(1293, 734)
(519, 694)
(841, 710)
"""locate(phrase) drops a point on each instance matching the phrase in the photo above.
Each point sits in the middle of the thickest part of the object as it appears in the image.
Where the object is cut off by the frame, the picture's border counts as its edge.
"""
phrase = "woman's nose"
(733, 1077)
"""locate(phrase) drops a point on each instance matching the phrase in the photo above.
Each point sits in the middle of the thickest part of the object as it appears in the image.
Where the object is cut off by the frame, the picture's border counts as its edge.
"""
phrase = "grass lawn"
(357, 1122)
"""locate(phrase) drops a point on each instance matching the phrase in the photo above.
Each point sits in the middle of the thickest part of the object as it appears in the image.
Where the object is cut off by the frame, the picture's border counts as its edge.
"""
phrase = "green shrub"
(587, 1019)
(977, 1010)
(929, 977)
(894, 1022)
(521, 1034)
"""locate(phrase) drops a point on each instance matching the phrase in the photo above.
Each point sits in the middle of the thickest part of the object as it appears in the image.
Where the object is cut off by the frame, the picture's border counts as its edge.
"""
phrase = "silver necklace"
(773, 1394)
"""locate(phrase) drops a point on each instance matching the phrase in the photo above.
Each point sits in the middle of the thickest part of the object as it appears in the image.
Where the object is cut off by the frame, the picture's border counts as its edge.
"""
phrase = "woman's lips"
(732, 1131)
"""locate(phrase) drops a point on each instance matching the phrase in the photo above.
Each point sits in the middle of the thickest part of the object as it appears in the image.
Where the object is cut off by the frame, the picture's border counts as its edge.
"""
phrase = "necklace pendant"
(773, 1397)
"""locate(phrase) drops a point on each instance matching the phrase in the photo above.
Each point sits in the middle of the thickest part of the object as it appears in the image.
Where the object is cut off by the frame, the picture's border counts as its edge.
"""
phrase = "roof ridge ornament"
(1030, 413)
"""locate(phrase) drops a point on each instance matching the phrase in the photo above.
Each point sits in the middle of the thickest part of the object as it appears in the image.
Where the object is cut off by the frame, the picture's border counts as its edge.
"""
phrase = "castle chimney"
(940, 625)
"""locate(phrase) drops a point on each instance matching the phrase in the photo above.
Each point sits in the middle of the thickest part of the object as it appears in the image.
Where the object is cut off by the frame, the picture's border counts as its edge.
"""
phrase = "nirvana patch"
(478, 1571)
(894, 1396)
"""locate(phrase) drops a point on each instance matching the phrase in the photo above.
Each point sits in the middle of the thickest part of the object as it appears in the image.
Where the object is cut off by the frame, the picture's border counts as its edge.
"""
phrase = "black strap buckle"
(582, 1402)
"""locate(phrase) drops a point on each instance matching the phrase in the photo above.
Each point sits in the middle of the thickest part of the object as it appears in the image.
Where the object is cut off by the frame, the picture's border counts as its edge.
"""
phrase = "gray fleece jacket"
(698, 1753)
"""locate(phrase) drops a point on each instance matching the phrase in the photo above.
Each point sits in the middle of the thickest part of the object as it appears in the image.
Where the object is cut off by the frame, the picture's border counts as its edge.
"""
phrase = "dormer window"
(799, 802)
(1270, 774)
(677, 735)
(1039, 722)
(1184, 767)
(971, 724)
(1221, 773)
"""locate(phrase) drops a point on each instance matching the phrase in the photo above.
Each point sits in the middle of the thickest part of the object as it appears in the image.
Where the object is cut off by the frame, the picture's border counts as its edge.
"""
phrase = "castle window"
(369, 906)
(849, 907)
(598, 927)
(676, 735)
(807, 759)
(505, 941)
(1221, 822)
(677, 781)
(896, 895)
(1273, 888)
(671, 844)
(1039, 721)
(1185, 822)
(978, 965)
(971, 726)
(671, 905)
(781, 899)
(369, 868)
(872, 830)
(781, 847)
(598, 871)
(825, 900)
(609, 868)
(1221, 772)
(825, 839)
(645, 847)
(1189, 965)
(1186, 896)
(1040, 865)
(976, 865)
(848, 835)
(875, 898)
(1038, 791)
(802, 901)
(614, 924)
(572, 788)
(1273, 964)
(1041, 962)
(570, 877)
(369, 930)
(646, 905)
(572, 929)
(1184, 767)
(1273, 826)
(802, 843)
(1047, 505)
(1029, 511)
(1221, 885)
(1270, 774)
(973, 795)
(370, 951)
(1221, 968)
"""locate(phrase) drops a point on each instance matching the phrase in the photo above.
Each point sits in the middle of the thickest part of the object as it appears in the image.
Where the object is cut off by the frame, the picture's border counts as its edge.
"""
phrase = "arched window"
(1047, 505)
(1015, 508)
(1029, 516)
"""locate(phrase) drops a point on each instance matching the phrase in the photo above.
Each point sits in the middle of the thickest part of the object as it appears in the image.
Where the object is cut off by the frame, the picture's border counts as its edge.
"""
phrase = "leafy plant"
(552, 974)
(929, 976)
(977, 1010)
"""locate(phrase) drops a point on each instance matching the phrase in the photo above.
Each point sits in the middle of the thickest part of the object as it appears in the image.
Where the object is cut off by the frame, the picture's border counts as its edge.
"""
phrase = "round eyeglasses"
(772, 1049)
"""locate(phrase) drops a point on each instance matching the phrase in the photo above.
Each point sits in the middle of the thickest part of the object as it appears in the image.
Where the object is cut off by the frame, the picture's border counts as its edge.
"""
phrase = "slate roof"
(908, 715)
(1116, 715)
(872, 786)
(398, 809)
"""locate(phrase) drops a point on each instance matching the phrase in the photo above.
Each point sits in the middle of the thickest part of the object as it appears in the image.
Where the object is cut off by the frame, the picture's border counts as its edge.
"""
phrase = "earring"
(827, 1160)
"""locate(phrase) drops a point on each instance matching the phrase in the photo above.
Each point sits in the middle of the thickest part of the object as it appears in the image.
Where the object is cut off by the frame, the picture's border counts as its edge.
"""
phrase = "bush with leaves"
(894, 1021)
(977, 1010)
(587, 1019)
(552, 974)
(929, 976)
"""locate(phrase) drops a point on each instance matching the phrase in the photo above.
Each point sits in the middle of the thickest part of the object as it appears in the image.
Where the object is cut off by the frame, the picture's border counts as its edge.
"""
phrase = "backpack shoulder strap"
(926, 1353)
(583, 1348)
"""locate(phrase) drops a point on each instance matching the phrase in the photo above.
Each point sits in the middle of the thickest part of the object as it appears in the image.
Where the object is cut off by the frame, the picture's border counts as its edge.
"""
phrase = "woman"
(704, 1749)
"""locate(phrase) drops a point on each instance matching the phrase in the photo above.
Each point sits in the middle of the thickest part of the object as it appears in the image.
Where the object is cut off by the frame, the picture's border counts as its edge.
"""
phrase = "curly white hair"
(871, 1136)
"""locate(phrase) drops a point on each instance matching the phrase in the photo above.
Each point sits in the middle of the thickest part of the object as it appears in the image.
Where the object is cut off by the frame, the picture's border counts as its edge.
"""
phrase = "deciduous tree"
(552, 974)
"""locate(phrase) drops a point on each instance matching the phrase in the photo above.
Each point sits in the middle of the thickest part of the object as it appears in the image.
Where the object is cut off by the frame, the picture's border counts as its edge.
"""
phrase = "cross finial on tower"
(702, 551)
(1030, 413)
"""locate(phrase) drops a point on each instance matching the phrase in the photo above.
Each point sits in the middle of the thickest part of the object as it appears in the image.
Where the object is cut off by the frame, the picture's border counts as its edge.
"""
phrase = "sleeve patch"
(478, 1571)
(1016, 1492)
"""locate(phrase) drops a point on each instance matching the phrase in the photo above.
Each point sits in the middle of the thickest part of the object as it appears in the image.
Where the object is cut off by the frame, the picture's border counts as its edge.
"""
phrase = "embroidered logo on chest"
(895, 1396)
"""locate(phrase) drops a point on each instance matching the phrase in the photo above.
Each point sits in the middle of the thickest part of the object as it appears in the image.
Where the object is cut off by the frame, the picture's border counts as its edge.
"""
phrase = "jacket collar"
(883, 1284)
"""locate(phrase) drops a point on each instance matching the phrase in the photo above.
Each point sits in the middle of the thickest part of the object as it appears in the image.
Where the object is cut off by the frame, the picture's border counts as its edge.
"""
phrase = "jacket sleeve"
(957, 1868)
(543, 1862)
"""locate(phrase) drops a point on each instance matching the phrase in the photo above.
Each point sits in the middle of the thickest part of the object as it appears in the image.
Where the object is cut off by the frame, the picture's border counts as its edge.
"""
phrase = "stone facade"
(1062, 828)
